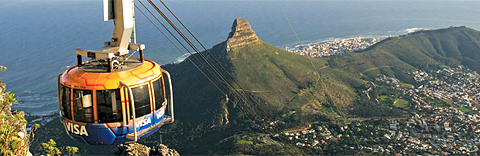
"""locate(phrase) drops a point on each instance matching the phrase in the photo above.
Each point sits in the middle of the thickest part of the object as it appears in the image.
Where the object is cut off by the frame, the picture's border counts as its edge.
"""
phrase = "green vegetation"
(286, 81)
(466, 110)
(71, 150)
(439, 102)
(13, 140)
(11, 143)
(401, 103)
(244, 142)
(406, 85)
(384, 107)
(2, 69)
(50, 148)
(8, 99)
(423, 50)
(13, 137)
(254, 144)
(384, 98)
(272, 74)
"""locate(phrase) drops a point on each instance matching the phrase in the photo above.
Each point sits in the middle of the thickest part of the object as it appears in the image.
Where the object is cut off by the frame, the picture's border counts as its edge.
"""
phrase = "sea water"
(38, 37)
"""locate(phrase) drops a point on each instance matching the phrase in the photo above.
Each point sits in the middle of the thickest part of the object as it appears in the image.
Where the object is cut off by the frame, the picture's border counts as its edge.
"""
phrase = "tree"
(72, 150)
(8, 100)
(50, 148)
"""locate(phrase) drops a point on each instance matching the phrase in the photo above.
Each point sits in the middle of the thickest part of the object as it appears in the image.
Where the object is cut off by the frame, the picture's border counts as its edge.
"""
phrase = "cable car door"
(159, 98)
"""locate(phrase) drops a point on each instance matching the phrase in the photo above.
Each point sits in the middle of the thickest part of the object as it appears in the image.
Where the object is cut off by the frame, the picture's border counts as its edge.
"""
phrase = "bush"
(13, 137)
(13, 140)
(50, 148)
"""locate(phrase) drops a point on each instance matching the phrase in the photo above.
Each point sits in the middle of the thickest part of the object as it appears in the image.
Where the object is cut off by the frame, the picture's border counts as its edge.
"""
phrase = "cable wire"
(245, 97)
(238, 84)
(298, 38)
(201, 54)
(178, 48)
(242, 107)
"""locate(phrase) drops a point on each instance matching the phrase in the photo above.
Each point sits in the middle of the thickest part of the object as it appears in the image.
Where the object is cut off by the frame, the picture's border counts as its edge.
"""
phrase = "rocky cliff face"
(241, 34)
(2, 88)
(14, 139)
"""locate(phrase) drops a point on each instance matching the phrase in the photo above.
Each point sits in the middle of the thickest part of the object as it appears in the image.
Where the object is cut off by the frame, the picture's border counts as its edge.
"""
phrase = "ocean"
(38, 37)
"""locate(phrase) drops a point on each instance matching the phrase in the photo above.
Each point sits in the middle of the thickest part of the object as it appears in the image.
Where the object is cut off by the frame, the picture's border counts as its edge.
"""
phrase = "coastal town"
(335, 47)
(459, 85)
(442, 119)
(445, 103)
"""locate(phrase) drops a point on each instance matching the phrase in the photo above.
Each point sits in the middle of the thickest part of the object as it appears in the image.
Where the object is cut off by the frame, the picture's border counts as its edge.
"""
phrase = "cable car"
(113, 98)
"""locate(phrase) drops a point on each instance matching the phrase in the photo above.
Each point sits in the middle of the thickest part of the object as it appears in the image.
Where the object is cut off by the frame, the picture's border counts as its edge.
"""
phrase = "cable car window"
(142, 100)
(82, 105)
(158, 89)
(65, 102)
(109, 106)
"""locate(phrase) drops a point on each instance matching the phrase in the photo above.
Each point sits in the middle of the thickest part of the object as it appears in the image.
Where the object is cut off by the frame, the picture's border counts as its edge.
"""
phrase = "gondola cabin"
(100, 107)
(113, 98)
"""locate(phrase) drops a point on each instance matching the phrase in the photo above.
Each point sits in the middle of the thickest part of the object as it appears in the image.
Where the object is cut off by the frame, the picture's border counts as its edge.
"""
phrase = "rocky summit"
(241, 34)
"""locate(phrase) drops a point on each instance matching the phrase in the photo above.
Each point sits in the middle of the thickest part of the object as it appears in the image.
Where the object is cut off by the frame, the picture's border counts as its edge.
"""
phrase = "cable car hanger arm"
(121, 11)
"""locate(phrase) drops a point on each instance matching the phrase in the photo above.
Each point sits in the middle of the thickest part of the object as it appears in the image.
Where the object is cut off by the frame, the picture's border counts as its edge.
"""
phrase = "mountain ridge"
(420, 50)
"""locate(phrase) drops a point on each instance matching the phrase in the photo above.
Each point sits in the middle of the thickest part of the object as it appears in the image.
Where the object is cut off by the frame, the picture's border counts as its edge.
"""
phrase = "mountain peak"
(241, 34)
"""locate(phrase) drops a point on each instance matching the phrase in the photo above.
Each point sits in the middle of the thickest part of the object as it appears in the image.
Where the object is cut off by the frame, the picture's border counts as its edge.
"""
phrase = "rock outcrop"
(2, 88)
(15, 140)
(161, 149)
(139, 149)
(241, 34)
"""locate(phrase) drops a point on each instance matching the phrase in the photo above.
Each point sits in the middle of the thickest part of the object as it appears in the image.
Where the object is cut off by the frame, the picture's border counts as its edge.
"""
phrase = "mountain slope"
(278, 80)
(423, 50)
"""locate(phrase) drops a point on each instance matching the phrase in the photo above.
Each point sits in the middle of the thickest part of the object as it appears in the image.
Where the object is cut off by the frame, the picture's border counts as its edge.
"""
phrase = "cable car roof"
(88, 78)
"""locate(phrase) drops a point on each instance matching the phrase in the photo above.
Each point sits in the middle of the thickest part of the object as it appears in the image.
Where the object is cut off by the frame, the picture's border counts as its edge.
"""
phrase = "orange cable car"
(112, 98)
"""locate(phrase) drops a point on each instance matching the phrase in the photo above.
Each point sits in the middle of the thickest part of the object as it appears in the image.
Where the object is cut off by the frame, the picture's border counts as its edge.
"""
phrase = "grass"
(447, 102)
(438, 102)
(383, 98)
(261, 66)
(291, 78)
(245, 142)
(466, 110)
(401, 103)
(406, 85)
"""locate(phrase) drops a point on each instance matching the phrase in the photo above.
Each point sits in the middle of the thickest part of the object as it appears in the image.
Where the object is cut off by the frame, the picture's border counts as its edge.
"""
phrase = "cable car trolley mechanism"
(113, 98)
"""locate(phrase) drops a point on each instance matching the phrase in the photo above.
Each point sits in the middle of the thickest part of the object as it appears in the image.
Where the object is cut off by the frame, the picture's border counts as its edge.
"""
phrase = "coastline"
(299, 47)
(336, 46)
